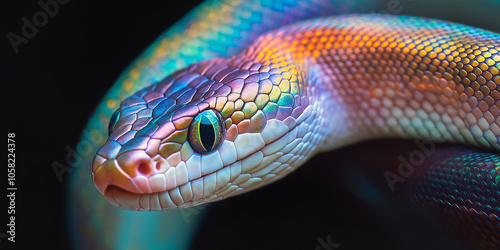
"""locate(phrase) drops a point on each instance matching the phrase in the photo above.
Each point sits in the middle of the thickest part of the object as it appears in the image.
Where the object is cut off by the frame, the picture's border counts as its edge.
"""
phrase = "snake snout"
(129, 171)
(136, 163)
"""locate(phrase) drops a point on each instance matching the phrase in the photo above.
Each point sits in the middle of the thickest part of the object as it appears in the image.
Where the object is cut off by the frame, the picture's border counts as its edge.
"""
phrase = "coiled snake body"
(228, 125)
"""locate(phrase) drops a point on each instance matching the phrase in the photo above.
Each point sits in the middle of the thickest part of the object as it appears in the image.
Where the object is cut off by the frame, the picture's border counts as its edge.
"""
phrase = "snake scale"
(249, 114)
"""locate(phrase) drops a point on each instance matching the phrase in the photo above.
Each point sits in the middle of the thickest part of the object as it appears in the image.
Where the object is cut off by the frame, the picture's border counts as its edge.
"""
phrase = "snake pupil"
(207, 133)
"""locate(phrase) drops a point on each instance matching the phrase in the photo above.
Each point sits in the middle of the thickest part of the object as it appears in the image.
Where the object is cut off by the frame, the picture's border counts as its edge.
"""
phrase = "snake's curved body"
(312, 87)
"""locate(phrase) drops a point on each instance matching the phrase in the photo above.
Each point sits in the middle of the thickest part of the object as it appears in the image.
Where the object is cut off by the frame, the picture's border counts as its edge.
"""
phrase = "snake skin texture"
(462, 186)
(302, 89)
(296, 91)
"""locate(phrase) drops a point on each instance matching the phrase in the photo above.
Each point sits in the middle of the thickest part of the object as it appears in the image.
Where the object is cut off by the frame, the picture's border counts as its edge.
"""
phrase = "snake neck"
(375, 76)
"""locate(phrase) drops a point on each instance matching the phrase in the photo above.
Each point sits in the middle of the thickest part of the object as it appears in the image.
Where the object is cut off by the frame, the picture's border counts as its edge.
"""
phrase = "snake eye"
(114, 118)
(206, 131)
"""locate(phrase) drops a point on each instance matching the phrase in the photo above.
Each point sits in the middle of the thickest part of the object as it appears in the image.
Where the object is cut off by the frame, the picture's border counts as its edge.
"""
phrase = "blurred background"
(54, 82)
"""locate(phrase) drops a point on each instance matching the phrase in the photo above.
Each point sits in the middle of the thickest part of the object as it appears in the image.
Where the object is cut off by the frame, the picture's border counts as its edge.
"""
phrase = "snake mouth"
(125, 199)
(153, 201)
(156, 201)
(122, 198)
(114, 189)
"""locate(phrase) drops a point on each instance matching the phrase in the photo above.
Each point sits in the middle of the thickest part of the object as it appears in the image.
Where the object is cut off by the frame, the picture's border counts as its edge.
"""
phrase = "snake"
(232, 119)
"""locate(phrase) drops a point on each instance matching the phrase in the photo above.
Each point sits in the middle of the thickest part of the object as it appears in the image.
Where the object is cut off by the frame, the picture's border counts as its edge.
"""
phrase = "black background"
(52, 85)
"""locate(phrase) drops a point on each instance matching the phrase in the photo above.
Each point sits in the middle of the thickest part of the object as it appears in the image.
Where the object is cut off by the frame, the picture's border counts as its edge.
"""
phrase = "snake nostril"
(144, 168)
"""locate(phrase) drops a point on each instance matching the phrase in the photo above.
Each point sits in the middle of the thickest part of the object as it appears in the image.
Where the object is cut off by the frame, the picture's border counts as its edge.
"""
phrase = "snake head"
(209, 131)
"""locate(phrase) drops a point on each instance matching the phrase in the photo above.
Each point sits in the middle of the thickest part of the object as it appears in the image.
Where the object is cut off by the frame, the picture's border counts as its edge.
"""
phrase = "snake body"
(307, 88)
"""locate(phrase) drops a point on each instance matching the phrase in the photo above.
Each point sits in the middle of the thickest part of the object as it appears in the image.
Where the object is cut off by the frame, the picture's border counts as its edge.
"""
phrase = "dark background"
(52, 85)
